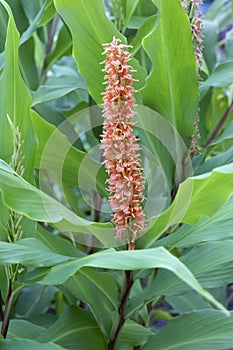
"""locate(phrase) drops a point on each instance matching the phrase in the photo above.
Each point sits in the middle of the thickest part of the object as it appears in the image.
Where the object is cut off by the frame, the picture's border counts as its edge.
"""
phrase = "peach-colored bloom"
(195, 16)
(192, 8)
(119, 144)
(197, 29)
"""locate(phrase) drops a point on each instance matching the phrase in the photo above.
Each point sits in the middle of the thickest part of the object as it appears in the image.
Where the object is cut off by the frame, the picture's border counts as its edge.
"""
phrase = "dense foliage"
(66, 280)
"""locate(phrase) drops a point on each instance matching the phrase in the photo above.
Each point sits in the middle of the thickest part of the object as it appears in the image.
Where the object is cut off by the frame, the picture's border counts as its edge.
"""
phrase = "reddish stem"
(7, 312)
(220, 124)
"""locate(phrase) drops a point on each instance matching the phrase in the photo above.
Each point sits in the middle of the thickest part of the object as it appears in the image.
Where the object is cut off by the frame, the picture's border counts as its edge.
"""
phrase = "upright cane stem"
(7, 311)
(121, 310)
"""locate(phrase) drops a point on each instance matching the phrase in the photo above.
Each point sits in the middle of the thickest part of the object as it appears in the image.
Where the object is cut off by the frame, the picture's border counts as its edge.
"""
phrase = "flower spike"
(119, 144)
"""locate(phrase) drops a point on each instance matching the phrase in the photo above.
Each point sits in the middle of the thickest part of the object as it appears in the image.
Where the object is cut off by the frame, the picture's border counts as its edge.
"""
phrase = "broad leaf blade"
(90, 28)
(132, 335)
(217, 227)
(194, 331)
(68, 161)
(23, 329)
(99, 290)
(172, 87)
(25, 344)
(75, 329)
(56, 87)
(211, 263)
(130, 6)
(62, 48)
(15, 101)
(22, 252)
(198, 196)
(222, 76)
(28, 200)
(226, 135)
(129, 260)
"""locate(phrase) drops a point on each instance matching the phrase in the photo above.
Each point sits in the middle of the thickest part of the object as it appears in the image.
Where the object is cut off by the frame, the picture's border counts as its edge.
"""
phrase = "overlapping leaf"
(15, 101)
(211, 263)
(99, 290)
(222, 76)
(75, 327)
(26, 199)
(217, 227)
(89, 31)
(133, 335)
(127, 260)
(172, 84)
(22, 252)
(25, 344)
(129, 6)
(194, 331)
(67, 161)
(198, 196)
(56, 87)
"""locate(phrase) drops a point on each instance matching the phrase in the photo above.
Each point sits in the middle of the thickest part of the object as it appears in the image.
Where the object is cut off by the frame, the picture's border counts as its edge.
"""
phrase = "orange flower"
(192, 8)
(119, 144)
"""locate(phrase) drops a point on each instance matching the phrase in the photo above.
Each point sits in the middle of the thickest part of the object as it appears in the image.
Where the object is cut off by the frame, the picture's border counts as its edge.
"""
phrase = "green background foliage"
(72, 274)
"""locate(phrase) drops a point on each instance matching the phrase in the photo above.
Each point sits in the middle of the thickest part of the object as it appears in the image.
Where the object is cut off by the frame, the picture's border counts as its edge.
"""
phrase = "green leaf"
(18, 14)
(6, 167)
(23, 329)
(132, 335)
(26, 199)
(210, 39)
(15, 101)
(56, 87)
(197, 196)
(220, 11)
(217, 161)
(188, 302)
(4, 283)
(62, 48)
(167, 147)
(213, 106)
(218, 227)
(211, 263)
(90, 28)
(31, 8)
(194, 331)
(28, 65)
(172, 87)
(48, 13)
(226, 135)
(130, 8)
(4, 21)
(68, 160)
(222, 76)
(44, 131)
(128, 260)
(137, 21)
(33, 26)
(22, 252)
(99, 290)
(56, 243)
(75, 328)
(24, 344)
(33, 301)
(143, 31)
